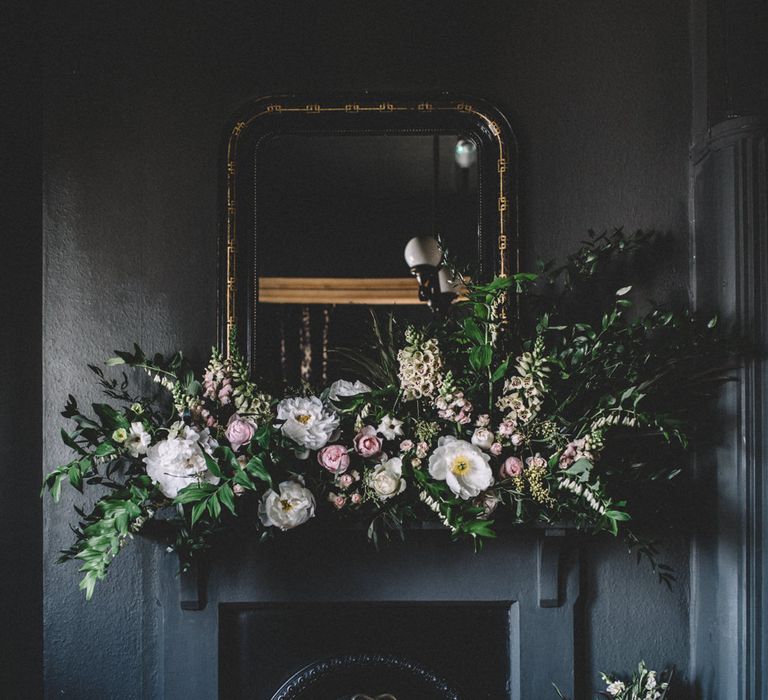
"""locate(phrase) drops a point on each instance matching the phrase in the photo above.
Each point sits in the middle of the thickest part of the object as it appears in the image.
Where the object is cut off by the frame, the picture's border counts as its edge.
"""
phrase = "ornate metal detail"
(302, 684)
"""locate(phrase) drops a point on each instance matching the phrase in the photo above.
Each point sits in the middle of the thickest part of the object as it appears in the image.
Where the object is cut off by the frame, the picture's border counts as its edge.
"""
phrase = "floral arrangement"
(644, 685)
(470, 421)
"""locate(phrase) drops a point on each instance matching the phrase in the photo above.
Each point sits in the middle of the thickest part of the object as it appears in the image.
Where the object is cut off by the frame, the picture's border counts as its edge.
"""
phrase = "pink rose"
(513, 466)
(356, 498)
(367, 443)
(338, 500)
(496, 449)
(334, 458)
(345, 481)
(240, 431)
(506, 428)
(406, 445)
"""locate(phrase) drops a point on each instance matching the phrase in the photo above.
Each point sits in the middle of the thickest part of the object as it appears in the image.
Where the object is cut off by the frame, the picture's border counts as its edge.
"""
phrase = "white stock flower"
(483, 438)
(386, 480)
(462, 465)
(138, 440)
(390, 427)
(177, 462)
(288, 507)
(342, 388)
(307, 422)
(650, 681)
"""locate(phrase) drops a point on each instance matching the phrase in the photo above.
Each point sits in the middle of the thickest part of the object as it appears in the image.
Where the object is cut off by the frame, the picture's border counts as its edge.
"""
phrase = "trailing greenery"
(519, 407)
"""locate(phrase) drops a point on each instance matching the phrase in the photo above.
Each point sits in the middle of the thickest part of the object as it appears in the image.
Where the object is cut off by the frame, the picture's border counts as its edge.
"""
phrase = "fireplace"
(372, 649)
(497, 624)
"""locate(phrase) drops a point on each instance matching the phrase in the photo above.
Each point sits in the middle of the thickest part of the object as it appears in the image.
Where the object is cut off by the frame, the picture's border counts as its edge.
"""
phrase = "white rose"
(390, 427)
(177, 462)
(482, 438)
(307, 422)
(138, 440)
(292, 505)
(462, 465)
(386, 480)
(342, 388)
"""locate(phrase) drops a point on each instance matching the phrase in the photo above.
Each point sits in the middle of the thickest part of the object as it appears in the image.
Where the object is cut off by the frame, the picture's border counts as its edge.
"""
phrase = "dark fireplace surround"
(326, 615)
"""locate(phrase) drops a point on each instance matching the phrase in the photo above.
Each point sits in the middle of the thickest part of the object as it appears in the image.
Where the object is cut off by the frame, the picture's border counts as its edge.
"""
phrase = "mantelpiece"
(552, 544)
(530, 578)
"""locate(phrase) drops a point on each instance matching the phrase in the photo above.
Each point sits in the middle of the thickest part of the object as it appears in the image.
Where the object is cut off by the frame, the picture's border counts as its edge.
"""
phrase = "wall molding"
(730, 273)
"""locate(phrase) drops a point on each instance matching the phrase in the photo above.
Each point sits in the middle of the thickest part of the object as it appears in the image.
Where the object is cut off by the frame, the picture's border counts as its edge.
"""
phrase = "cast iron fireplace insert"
(335, 651)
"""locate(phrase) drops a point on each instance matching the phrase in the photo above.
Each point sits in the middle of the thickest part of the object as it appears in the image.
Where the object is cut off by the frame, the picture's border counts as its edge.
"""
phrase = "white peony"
(386, 480)
(462, 465)
(292, 505)
(178, 461)
(138, 440)
(307, 422)
(390, 427)
(342, 388)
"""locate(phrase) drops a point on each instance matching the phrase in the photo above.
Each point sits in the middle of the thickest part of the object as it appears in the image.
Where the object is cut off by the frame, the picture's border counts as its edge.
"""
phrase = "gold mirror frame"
(284, 113)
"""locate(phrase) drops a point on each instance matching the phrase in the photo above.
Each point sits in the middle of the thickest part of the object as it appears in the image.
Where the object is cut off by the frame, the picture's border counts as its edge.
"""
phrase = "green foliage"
(591, 400)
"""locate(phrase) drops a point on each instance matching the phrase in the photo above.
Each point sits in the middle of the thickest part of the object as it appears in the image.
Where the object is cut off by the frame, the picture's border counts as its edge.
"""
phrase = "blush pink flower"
(513, 466)
(496, 449)
(506, 428)
(334, 458)
(240, 431)
(356, 498)
(367, 443)
(345, 481)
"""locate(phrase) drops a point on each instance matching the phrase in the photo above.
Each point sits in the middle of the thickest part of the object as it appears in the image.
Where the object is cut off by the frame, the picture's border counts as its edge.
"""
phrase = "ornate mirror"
(320, 197)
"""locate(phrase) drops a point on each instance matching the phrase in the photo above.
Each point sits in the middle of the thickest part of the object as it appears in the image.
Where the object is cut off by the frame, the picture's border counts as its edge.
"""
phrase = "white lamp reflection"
(437, 285)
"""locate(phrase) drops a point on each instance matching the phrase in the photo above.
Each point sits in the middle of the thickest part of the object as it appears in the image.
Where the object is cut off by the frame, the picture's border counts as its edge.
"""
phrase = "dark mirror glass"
(332, 215)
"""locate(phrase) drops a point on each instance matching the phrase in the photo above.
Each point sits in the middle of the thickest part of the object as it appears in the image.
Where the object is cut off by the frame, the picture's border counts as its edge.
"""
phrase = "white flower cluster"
(386, 480)
(521, 400)
(307, 421)
(420, 369)
(615, 417)
(434, 506)
(178, 461)
(615, 688)
(643, 686)
(453, 406)
(462, 465)
(343, 388)
(288, 507)
(584, 491)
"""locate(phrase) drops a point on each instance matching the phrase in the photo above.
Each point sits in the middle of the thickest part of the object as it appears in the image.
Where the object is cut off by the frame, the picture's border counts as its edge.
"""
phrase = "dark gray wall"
(20, 334)
(137, 97)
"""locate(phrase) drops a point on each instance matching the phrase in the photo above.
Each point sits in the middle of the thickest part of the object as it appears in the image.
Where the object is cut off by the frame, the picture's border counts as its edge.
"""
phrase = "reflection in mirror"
(333, 214)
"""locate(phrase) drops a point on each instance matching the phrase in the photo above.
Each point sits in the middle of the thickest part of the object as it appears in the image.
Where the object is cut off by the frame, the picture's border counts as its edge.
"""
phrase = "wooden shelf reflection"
(338, 290)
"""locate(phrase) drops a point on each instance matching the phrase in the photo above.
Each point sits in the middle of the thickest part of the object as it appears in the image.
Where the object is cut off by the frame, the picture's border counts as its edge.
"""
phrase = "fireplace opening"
(335, 651)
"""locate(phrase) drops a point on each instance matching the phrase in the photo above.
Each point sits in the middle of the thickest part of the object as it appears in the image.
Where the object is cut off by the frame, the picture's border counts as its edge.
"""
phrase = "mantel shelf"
(551, 547)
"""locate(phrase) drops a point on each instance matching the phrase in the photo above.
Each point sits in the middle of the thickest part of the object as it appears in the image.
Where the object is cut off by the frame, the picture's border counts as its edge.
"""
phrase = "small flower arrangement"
(466, 421)
(644, 685)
